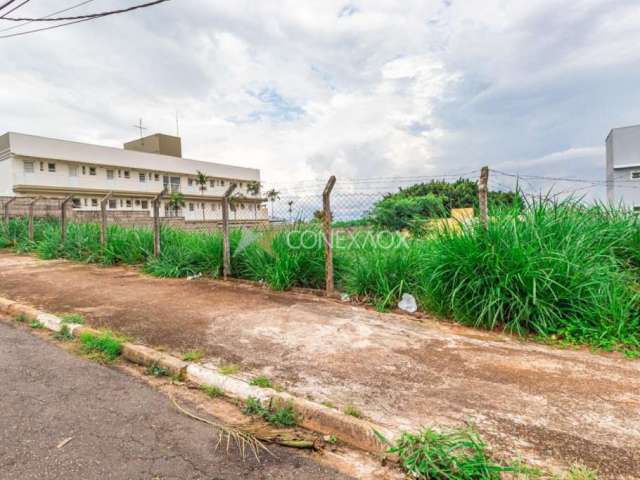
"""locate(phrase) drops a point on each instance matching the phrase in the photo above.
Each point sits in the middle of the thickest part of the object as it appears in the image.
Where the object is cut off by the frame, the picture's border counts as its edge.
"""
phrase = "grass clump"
(229, 368)
(352, 411)
(193, 356)
(64, 334)
(73, 318)
(279, 415)
(261, 381)
(104, 347)
(36, 324)
(577, 472)
(212, 390)
(22, 318)
(156, 370)
(452, 455)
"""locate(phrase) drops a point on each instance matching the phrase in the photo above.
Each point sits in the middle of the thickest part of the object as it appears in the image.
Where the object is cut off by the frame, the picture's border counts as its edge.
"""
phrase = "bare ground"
(553, 407)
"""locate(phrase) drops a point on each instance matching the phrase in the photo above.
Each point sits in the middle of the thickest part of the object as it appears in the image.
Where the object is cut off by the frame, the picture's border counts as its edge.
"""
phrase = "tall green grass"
(558, 270)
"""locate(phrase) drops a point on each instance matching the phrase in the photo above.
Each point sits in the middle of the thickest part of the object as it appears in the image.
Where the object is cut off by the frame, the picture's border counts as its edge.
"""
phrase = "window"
(222, 183)
(112, 202)
(42, 166)
(137, 203)
(119, 173)
(28, 167)
(191, 182)
(92, 171)
(126, 174)
(75, 202)
(51, 167)
(142, 177)
(84, 200)
(191, 207)
(121, 203)
(212, 183)
(128, 203)
(73, 170)
(157, 177)
(242, 206)
(636, 208)
(110, 175)
(145, 204)
(84, 170)
(94, 202)
(635, 175)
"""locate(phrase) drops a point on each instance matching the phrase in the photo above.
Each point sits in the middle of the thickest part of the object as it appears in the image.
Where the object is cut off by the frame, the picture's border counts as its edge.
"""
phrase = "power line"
(95, 16)
(7, 4)
(85, 17)
(46, 16)
(3, 16)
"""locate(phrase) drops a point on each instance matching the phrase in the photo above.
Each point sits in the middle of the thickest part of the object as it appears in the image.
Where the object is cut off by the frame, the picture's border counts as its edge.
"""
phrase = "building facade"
(37, 166)
(623, 166)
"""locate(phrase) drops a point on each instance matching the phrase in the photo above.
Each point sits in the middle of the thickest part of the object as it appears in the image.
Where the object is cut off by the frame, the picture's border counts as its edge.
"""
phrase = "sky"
(359, 89)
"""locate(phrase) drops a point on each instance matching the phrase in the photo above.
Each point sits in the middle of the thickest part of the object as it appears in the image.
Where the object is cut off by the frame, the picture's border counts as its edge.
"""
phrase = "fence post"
(483, 194)
(327, 219)
(6, 208)
(226, 255)
(63, 218)
(103, 218)
(156, 223)
(31, 205)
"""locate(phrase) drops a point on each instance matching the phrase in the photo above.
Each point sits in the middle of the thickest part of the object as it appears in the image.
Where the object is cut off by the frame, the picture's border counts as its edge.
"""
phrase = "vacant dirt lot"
(554, 407)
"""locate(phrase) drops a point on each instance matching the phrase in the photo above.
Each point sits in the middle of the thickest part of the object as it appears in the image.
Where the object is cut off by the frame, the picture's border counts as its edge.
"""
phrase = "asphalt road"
(120, 427)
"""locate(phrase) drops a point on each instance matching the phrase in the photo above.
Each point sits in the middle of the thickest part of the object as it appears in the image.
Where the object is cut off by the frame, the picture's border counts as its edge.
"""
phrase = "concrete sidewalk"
(120, 428)
(553, 407)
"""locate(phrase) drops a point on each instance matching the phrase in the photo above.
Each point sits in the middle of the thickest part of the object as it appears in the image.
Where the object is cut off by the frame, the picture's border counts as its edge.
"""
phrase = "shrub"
(400, 212)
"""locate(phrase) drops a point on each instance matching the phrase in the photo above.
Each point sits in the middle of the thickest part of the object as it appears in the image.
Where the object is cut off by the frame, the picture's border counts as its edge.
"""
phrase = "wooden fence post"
(31, 205)
(103, 218)
(6, 208)
(156, 223)
(327, 220)
(482, 196)
(226, 249)
(63, 218)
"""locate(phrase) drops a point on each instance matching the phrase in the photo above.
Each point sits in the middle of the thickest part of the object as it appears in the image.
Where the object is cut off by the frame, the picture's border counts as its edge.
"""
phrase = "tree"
(175, 202)
(273, 195)
(397, 213)
(254, 187)
(201, 181)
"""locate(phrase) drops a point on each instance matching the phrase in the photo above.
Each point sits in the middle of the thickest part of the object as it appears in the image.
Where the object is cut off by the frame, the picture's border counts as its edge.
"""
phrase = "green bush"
(400, 212)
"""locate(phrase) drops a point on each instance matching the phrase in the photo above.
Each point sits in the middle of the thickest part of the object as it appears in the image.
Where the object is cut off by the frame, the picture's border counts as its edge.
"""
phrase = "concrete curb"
(312, 416)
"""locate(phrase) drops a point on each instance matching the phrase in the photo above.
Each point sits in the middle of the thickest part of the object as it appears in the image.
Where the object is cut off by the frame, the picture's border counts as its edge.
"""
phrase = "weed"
(193, 356)
(22, 318)
(454, 454)
(64, 334)
(36, 324)
(332, 439)
(577, 472)
(155, 370)
(104, 347)
(212, 390)
(282, 416)
(73, 318)
(329, 404)
(229, 368)
(261, 381)
(352, 411)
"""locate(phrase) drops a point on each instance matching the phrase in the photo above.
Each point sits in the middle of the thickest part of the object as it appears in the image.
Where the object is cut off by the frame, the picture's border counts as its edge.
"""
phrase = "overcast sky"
(301, 89)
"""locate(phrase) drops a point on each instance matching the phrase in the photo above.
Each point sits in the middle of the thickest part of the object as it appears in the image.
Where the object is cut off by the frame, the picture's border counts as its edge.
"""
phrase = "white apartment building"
(39, 166)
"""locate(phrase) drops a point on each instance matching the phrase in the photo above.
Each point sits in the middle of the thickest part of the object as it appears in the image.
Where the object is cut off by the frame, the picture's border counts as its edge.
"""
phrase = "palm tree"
(273, 195)
(290, 203)
(201, 181)
(254, 187)
(176, 201)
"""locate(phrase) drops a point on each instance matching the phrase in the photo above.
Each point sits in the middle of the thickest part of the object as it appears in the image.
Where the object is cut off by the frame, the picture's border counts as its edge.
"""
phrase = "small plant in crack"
(73, 318)
(193, 356)
(64, 334)
(156, 370)
(279, 415)
(352, 411)
(212, 390)
(228, 368)
(261, 381)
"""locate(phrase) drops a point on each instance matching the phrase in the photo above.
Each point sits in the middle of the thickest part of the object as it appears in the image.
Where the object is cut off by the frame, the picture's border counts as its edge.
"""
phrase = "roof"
(55, 149)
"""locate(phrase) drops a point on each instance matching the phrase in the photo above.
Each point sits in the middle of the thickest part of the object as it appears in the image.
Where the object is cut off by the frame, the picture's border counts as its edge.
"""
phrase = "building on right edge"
(623, 166)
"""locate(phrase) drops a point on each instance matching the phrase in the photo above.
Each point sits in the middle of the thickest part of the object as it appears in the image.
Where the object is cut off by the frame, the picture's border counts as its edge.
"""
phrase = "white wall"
(6, 167)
